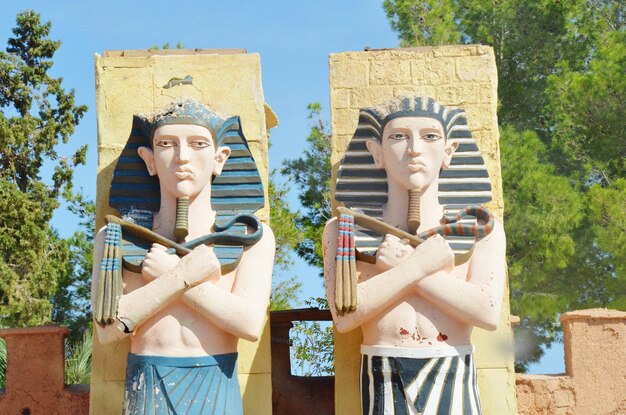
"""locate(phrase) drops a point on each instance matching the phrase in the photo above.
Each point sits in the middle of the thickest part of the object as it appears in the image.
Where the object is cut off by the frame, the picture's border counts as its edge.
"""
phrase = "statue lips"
(183, 174)
(416, 165)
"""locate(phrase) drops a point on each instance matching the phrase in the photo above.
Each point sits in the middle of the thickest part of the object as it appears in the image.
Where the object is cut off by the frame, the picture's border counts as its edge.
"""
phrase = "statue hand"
(198, 266)
(391, 252)
(157, 262)
(433, 255)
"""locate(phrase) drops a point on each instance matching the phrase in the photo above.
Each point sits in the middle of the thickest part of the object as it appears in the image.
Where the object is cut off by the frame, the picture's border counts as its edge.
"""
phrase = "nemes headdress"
(362, 186)
(136, 194)
(238, 189)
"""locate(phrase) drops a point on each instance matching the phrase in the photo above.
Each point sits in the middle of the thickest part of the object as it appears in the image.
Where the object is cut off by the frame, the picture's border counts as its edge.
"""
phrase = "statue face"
(185, 159)
(413, 151)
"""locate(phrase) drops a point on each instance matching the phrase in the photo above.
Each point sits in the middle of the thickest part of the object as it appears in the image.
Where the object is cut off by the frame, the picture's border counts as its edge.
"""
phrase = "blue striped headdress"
(136, 194)
(363, 187)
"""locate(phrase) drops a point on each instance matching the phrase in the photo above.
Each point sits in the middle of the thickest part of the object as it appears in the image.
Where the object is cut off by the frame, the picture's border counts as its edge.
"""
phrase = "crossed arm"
(475, 300)
(240, 311)
(380, 291)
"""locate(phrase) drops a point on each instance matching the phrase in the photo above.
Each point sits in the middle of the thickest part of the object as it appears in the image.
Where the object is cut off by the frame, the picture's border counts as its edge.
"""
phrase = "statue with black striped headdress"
(412, 259)
(185, 268)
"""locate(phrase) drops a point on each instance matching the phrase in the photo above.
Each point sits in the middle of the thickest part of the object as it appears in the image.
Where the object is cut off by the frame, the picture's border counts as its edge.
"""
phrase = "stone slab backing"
(456, 76)
(132, 82)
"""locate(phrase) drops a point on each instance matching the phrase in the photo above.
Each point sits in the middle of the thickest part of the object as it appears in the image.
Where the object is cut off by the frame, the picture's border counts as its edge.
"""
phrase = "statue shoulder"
(331, 226)
(497, 235)
(267, 241)
(98, 240)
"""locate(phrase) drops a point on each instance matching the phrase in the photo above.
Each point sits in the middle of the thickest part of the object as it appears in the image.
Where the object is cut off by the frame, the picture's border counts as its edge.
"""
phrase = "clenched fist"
(391, 252)
(433, 255)
(157, 262)
(198, 266)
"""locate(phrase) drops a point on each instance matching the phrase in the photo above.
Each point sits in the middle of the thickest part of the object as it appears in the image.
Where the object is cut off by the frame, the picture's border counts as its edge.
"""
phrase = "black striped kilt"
(419, 386)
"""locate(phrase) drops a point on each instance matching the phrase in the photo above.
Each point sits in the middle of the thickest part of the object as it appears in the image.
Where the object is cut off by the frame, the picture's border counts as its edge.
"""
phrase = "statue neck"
(396, 211)
(201, 215)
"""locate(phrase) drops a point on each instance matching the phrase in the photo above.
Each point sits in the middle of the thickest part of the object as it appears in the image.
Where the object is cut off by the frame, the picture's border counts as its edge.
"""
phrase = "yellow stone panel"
(129, 82)
(456, 76)
(256, 392)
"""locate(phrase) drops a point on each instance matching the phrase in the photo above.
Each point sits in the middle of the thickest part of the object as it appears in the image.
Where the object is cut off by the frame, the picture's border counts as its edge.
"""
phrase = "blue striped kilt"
(441, 385)
(159, 385)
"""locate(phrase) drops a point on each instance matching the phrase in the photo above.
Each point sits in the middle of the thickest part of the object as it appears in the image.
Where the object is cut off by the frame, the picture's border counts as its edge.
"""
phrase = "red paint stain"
(442, 337)
(403, 331)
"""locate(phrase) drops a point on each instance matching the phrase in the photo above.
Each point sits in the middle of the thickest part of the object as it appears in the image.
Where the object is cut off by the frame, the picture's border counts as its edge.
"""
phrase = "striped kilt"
(442, 384)
(158, 385)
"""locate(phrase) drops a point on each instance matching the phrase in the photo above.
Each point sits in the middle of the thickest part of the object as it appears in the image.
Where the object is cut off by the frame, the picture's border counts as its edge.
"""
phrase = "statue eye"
(200, 144)
(398, 136)
(166, 143)
(431, 137)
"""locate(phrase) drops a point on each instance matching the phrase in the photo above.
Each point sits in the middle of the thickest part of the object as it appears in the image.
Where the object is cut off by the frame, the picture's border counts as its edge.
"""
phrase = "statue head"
(391, 143)
(183, 151)
(412, 150)
(363, 172)
(192, 147)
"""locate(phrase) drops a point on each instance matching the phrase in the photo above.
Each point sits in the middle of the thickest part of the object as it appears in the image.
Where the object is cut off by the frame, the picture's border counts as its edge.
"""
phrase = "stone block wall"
(595, 369)
(456, 76)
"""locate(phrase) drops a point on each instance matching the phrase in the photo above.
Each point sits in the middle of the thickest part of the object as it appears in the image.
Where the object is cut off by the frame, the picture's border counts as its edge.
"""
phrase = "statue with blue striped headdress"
(185, 268)
(412, 259)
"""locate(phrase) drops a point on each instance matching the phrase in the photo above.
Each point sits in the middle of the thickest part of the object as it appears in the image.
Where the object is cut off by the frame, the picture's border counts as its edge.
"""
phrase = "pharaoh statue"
(185, 271)
(413, 259)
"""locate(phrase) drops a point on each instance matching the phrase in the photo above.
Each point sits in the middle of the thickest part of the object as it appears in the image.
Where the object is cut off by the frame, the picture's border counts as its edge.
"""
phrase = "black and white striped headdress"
(362, 186)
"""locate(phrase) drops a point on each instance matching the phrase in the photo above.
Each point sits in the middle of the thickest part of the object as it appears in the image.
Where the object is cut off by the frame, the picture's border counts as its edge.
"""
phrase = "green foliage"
(607, 205)
(33, 258)
(312, 341)
(420, 23)
(44, 113)
(179, 45)
(543, 212)
(78, 360)
(71, 305)
(3, 363)
(553, 210)
(589, 113)
(283, 222)
(285, 294)
(311, 174)
(561, 90)
(312, 345)
(36, 116)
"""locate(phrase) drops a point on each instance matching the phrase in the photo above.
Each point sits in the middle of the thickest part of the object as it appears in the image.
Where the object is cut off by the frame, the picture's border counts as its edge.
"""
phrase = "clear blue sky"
(294, 39)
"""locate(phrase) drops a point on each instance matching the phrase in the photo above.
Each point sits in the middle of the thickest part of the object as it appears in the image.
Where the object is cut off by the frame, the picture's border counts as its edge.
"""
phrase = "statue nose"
(183, 153)
(414, 145)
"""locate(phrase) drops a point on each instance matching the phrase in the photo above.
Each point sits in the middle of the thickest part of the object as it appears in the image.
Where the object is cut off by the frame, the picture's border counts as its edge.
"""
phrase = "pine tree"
(37, 116)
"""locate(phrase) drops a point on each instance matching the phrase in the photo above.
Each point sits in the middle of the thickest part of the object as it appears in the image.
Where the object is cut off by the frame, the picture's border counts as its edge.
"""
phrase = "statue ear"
(451, 147)
(147, 155)
(376, 149)
(221, 155)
